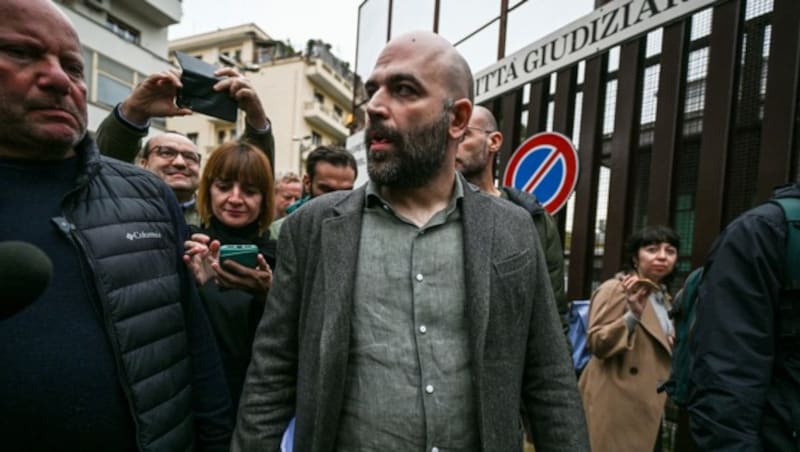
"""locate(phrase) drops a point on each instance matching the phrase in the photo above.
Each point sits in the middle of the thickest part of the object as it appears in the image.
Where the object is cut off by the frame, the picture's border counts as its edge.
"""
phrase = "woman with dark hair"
(235, 204)
(630, 336)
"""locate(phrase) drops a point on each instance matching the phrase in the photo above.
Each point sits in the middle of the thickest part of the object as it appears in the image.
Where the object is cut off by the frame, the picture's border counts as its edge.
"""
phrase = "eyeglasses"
(170, 154)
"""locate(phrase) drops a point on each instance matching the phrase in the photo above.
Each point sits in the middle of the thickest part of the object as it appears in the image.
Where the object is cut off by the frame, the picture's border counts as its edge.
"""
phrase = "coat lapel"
(340, 236)
(652, 326)
(478, 237)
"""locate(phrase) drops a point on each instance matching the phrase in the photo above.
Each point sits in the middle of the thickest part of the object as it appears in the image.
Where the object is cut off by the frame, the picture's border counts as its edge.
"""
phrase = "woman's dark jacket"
(234, 313)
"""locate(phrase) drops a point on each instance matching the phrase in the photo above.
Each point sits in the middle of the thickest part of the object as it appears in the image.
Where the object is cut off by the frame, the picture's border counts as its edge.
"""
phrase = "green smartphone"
(245, 255)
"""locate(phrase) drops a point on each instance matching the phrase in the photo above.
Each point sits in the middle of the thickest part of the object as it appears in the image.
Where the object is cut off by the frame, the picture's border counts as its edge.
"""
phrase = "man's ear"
(143, 162)
(462, 111)
(495, 141)
(306, 184)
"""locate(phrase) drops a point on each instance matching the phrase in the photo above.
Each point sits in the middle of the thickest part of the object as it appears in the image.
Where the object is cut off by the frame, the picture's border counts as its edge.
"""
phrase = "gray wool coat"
(302, 343)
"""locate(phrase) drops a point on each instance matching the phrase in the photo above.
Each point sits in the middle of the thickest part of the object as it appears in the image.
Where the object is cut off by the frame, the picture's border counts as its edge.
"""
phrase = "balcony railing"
(325, 118)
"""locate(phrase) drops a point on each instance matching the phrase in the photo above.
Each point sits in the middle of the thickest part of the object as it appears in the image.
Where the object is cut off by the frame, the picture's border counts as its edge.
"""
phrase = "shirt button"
(435, 449)
(419, 277)
(429, 389)
(385, 207)
(423, 329)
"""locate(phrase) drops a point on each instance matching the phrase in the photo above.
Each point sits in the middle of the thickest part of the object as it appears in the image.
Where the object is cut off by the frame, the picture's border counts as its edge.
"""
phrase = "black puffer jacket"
(123, 222)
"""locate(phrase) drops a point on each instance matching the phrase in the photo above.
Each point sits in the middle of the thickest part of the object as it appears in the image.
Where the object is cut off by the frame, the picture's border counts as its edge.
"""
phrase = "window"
(410, 15)
(192, 136)
(123, 30)
(108, 81)
(264, 55)
(337, 111)
(233, 53)
(319, 97)
(220, 136)
(114, 81)
(316, 139)
(88, 68)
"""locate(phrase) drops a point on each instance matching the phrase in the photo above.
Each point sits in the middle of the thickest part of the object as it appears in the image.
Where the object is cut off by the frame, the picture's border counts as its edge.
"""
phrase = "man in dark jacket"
(475, 159)
(745, 371)
(116, 353)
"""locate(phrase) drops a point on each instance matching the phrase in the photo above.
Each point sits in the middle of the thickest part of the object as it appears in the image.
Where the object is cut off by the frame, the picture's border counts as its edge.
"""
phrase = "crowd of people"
(424, 310)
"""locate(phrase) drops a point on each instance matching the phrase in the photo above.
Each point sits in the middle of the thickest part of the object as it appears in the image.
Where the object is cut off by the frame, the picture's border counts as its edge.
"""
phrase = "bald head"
(33, 11)
(438, 51)
(42, 90)
(483, 118)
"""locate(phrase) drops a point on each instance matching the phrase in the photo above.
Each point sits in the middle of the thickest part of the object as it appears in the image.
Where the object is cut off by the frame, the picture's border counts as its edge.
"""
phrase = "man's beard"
(476, 164)
(417, 157)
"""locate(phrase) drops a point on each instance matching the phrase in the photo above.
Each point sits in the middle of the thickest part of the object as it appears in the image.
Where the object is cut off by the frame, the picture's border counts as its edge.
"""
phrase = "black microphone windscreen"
(25, 272)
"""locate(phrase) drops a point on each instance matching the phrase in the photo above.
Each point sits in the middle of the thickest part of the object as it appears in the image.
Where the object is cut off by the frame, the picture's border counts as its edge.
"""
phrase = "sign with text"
(606, 27)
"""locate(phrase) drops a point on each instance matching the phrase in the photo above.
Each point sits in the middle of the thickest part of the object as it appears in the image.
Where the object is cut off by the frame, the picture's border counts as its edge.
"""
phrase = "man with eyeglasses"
(171, 155)
(475, 160)
(174, 158)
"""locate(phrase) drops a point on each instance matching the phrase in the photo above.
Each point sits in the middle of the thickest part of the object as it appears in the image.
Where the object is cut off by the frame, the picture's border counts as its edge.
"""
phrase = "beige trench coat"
(618, 385)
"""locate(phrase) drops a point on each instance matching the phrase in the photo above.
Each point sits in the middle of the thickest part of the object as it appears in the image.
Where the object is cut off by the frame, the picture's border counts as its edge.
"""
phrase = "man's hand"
(241, 90)
(154, 97)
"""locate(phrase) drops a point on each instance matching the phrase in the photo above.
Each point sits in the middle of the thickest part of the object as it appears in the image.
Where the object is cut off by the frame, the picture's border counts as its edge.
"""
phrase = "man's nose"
(376, 106)
(52, 77)
(179, 161)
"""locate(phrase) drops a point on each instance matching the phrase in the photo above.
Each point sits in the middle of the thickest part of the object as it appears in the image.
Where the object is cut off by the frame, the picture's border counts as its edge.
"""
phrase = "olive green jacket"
(550, 239)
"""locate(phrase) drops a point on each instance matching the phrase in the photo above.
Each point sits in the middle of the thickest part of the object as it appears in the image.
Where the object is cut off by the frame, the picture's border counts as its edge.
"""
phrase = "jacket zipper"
(98, 301)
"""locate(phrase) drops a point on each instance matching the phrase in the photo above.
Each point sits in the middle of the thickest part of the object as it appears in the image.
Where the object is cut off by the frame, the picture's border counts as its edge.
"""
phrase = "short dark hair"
(650, 235)
(335, 155)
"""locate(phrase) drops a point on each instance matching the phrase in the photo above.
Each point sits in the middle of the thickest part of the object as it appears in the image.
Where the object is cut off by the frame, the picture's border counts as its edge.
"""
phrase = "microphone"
(25, 272)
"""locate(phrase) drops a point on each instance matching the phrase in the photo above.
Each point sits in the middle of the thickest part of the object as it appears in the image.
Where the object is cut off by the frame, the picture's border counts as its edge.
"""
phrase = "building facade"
(683, 112)
(307, 94)
(123, 41)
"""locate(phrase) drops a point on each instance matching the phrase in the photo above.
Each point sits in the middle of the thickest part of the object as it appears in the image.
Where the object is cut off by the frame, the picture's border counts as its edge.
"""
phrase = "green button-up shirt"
(409, 382)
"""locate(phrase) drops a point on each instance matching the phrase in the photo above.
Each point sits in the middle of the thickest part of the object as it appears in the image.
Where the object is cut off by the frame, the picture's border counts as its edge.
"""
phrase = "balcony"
(324, 119)
(330, 81)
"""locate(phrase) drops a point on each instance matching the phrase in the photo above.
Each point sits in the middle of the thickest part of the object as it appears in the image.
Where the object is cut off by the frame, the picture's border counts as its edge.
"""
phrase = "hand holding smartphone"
(245, 255)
